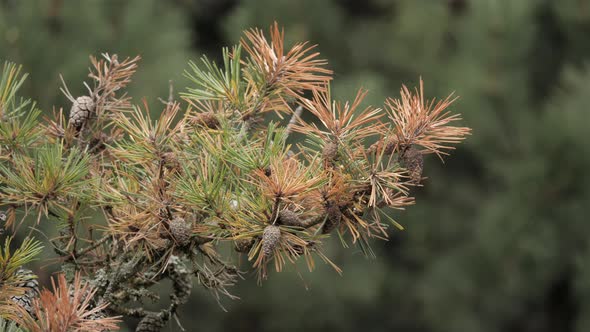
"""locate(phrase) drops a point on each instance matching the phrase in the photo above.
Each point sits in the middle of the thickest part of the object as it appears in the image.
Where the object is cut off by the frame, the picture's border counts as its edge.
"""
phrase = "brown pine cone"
(206, 119)
(270, 239)
(334, 217)
(81, 110)
(243, 245)
(181, 231)
(289, 218)
(412, 160)
(330, 151)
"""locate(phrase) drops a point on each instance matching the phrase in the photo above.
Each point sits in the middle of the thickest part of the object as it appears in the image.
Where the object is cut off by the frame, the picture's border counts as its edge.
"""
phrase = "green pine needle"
(42, 178)
(214, 83)
(9, 326)
(11, 80)
(10, 262)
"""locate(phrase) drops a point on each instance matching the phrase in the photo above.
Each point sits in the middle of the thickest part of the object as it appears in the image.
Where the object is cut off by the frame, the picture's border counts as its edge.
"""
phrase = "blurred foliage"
(56, 37)
(497, 243)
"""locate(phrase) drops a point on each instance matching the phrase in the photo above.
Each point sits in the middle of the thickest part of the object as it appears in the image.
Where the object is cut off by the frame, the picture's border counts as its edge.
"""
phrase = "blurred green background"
(499, 239)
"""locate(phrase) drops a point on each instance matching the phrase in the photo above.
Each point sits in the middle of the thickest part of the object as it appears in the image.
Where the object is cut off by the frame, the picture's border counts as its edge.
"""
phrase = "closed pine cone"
(330, 151)
(181, 231)
(207, 119)
(31, 286)
(243, 245)
(334, 217)
(289, 218)
(270, 239)
(80, 112)
(412, 160)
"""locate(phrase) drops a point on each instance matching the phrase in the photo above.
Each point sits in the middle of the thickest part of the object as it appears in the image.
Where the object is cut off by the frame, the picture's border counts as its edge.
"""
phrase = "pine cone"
(80, 112)
(152, 322)
(171, 161)
(244, 245)
(412, 160)
(270, 239)
(289, 218)
(390, 147)
(334, 217)
(31, 286)
(181, 231)
(207, 119)
(330, 151)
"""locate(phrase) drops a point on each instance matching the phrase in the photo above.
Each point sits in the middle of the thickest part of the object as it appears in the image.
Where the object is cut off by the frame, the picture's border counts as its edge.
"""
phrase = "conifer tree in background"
(213, 170)
(55, 37)
(501, 244)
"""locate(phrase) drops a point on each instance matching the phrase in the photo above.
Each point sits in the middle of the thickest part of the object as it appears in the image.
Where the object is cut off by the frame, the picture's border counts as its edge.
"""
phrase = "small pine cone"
(170, 161)
(207, 119)
(80, 112)
(181, 231)
(244, 245)
(270, 239)
(31, 286)
(98, 142)
(330, 151)
(152, 322)
(412, 160)
(334, 217)
(289, 218)
(390, 147)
